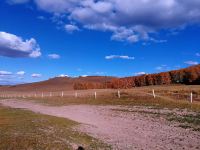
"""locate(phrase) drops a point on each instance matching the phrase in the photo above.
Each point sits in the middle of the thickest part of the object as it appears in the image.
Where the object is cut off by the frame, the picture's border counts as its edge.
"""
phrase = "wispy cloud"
(5, 73)
(119, 57)
(6, 76)
(36, 75)
(191, 62)
(163, 68)
(41, 18)
(70, 28)
(10, 78)
(63, 75)
(54, 56)
(140, 73)
(21, 73)
(84, 75)
(198, 54)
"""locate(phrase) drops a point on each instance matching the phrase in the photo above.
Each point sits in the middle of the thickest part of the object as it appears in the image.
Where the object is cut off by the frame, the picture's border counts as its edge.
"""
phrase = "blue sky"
(40, 39)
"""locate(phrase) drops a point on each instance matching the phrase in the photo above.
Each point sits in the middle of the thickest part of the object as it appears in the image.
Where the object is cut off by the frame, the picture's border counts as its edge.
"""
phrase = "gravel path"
(120, 129)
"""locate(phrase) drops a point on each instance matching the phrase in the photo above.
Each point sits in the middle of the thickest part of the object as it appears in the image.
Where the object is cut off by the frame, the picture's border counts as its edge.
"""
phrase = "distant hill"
(57, 83)
(190, 75)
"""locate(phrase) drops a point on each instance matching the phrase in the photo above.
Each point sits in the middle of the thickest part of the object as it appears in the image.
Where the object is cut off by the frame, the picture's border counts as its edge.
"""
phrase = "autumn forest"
(190, 76)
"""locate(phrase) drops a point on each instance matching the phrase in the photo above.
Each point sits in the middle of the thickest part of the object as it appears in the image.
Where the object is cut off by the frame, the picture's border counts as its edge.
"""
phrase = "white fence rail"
(98, 93)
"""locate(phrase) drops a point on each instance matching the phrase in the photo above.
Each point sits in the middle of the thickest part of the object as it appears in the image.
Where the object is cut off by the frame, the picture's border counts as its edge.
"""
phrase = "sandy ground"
(121, 129)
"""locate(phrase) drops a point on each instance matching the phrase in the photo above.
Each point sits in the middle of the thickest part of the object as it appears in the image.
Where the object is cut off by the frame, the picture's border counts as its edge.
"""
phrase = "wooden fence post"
(119, 96)
(76, 94)
(62, 94)
(95, 95)
(154, 95)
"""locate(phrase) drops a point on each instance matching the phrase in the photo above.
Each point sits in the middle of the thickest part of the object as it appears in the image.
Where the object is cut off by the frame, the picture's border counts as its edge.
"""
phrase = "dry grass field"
(173, 96)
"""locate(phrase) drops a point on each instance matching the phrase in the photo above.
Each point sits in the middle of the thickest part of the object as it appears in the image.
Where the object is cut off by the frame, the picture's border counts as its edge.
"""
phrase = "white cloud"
(191, 62)
(54, 56)
(127, 20)
(123, 34)
(119, 57)
(35, 54)
(140, 73)
(84, 76)
(134, 20)
(21, 73)
(5, 73)
(36, 75)
(71, 28)
(63, 75)
(56, 6)
(9, 78)
(14, 46)
(101, 7)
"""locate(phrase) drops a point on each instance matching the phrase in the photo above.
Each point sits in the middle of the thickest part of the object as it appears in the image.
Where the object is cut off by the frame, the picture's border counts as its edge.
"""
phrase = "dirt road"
(120, 129)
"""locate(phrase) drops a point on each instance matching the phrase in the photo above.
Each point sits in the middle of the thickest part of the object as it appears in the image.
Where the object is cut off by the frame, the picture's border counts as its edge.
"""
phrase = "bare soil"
(120, 128)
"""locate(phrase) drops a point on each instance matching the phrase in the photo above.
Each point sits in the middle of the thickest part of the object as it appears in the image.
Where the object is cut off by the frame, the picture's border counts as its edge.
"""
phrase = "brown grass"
(126, 99)
(173, 96)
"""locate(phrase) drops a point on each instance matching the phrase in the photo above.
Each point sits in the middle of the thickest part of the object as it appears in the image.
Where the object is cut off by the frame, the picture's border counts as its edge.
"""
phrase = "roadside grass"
(194, 119)
(22, 129)
(185, 120)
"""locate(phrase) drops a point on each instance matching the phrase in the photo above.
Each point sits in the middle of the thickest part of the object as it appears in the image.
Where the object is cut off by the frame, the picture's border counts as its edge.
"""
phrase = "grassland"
(128, 97)
(22, 129)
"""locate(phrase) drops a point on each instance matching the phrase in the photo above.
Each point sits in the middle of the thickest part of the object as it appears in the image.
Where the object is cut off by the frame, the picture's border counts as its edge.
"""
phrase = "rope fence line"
(190, 96)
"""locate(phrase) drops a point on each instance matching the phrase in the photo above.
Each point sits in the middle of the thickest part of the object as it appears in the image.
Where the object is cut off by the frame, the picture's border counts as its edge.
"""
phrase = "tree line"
(190, 75)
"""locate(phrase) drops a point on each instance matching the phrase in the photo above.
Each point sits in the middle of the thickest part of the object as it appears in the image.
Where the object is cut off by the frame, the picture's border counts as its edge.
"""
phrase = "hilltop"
(57, 83)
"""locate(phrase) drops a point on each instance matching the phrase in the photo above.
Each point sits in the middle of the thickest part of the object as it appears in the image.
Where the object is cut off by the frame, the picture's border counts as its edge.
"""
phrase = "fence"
(189, 96)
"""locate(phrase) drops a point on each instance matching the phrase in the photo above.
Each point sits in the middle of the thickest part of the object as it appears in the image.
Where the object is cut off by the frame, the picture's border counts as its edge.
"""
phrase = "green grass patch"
(185, 121)
(190, 119)
(22, 129)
